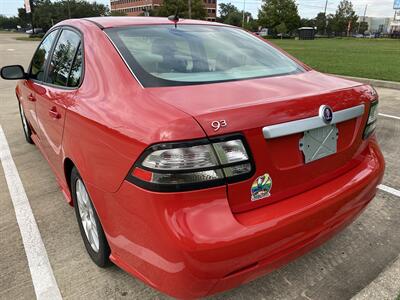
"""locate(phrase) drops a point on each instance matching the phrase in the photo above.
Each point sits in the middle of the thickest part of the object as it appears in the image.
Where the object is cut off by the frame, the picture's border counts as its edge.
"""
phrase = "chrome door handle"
(54, 113)
(31, 98)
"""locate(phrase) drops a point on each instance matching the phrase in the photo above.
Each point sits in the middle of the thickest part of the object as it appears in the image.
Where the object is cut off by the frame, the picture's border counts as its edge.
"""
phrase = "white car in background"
(263, 32)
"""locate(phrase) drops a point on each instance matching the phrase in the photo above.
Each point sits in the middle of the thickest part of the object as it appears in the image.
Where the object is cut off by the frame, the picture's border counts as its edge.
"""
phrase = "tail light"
(372, 119)
(193, 165)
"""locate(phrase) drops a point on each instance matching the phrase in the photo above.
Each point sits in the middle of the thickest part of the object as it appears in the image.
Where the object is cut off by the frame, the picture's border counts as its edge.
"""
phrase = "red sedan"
(197, 156)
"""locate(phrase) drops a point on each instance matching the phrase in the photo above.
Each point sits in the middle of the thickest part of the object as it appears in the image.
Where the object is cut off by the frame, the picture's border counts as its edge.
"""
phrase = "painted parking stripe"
(389, 190)
(43, 279)
(390, 116)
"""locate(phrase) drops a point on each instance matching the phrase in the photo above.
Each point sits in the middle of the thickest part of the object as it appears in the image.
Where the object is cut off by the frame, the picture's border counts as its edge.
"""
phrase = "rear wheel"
(92, 233)
(25, 124)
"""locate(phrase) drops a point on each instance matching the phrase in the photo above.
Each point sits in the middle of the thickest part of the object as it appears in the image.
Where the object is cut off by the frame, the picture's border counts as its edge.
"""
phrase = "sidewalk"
(374, 82)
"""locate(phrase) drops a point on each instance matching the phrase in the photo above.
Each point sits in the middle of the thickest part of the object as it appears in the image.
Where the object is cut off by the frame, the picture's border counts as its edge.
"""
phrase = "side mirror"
(13, 72)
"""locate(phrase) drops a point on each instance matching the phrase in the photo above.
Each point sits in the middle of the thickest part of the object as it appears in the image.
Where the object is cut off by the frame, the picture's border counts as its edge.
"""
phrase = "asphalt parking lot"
(337, 270)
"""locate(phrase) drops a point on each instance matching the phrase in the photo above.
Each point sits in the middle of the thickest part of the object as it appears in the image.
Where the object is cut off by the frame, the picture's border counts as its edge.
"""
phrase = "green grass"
(368, 58)
(27, 38)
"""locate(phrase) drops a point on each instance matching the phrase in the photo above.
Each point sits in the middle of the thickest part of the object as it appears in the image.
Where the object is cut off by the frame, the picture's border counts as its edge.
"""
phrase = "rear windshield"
(162, 55)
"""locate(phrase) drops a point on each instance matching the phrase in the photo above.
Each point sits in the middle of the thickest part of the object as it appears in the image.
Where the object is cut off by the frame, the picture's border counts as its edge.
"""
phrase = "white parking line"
(389, 190)
(43, 280)
(390, 116)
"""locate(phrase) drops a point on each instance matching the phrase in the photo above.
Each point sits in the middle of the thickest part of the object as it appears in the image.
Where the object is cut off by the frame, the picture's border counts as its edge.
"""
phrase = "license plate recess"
(319, 143)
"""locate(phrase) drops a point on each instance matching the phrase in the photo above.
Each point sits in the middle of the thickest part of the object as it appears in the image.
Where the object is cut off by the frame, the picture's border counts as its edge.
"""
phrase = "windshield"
(162, 55)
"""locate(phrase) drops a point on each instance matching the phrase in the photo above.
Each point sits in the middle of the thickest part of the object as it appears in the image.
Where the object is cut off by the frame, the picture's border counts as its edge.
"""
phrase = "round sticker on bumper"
(261, 187)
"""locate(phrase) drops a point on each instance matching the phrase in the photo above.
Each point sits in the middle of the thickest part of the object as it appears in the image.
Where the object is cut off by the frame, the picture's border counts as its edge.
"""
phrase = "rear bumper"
(190, 245)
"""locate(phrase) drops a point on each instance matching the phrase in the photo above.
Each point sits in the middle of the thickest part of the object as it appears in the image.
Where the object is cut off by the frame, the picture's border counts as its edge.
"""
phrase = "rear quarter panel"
(112, 119)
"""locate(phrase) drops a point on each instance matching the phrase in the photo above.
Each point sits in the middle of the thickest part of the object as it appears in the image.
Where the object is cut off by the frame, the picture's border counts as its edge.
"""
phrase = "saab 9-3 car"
(197, 156)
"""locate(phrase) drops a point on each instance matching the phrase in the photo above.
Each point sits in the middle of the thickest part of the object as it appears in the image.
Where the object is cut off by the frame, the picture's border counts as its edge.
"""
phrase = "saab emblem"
(261, 187)
(326, 114)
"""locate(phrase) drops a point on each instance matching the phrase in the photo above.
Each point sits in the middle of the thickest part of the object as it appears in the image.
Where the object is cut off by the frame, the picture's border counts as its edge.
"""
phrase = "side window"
(41, 56)
(76, 69)
(63, 57)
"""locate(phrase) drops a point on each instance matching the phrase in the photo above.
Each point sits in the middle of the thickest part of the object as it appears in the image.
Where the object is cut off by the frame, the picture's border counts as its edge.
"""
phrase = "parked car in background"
(197, 156)
(263, 32)
(372, 35)
(37, 31)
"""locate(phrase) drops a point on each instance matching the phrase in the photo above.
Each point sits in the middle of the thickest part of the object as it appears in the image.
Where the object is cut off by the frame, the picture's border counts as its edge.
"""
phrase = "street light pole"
(190, 8)
(244, 7)
(365, 13)
(326, 21)
(326, 6)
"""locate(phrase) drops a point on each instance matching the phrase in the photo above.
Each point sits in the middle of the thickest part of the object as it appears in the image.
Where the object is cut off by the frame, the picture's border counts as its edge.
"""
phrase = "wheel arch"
(68, 166)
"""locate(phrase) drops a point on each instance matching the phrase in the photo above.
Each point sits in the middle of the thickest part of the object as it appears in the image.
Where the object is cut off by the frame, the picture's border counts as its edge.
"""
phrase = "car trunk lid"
(249, 106)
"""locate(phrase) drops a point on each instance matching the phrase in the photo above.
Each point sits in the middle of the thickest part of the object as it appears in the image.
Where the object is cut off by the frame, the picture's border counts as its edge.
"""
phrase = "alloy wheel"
(87, 215)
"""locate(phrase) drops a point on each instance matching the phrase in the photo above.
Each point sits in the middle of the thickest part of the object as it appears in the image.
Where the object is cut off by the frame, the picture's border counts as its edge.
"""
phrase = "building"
(306, 33)
(377, 25)
(395, 24)
(211, 8)
(137, 7)
(134, 7)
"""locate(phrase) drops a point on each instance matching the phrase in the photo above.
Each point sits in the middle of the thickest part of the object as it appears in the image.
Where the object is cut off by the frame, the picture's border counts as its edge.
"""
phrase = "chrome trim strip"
(288, 128)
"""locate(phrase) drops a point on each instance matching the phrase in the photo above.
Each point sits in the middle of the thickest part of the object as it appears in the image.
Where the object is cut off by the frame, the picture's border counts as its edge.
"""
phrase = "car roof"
(108, 22)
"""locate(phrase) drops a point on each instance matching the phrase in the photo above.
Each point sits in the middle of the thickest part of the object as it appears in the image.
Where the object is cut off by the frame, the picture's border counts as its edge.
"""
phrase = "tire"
(25, 125)
(89, 225)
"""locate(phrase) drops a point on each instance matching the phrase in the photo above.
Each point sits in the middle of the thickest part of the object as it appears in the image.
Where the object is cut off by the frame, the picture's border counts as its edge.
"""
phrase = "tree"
(344, 16)
(307, 22)
(10, 22)
(24, 17)
(47, 13)
(362, 27)
(169, 7)
(281, 29)
(275, 12)
(198, 10)
(226, 10)
(251, 24)
(230, 14)
(321, 22)
(82, 8)
(330, 24)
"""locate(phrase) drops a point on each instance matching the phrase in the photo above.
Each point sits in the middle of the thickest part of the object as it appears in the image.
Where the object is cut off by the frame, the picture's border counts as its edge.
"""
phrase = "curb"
(374, 82)
(386, 286)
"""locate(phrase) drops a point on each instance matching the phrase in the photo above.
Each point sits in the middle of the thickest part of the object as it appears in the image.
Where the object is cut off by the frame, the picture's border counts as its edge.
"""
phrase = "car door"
(60, 84)
(30, 87)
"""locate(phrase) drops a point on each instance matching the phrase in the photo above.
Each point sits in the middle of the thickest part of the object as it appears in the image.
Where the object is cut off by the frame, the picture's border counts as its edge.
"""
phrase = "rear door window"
(41, 56)
(63, 58)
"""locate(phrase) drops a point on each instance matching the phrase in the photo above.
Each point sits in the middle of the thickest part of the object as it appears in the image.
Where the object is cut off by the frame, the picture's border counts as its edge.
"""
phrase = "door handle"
(54, 113)
(31, 98)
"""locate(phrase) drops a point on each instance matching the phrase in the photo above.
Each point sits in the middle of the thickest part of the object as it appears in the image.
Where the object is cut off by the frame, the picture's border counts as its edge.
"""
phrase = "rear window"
(162, 55)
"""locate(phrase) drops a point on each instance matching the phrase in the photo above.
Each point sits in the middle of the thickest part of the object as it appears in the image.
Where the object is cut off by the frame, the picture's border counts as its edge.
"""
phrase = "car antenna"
(175, 18)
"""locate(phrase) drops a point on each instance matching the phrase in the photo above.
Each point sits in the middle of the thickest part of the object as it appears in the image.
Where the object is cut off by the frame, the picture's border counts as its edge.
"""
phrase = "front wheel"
(25, 124)
(91, 231)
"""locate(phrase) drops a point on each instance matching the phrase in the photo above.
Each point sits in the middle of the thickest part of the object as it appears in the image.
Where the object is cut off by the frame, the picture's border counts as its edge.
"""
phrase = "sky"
(307, 8)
